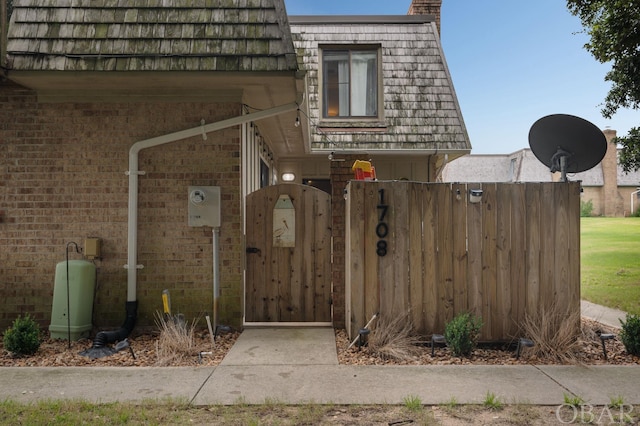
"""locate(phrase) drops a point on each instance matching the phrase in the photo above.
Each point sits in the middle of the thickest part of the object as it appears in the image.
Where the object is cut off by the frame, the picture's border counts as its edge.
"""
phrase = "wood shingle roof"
(150, 35)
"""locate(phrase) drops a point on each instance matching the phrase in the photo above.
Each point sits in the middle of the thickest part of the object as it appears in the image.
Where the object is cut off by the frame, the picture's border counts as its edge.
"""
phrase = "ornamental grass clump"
(462, 333)
(394, 338)
(555, 331)
(23, 337)
(177, 341)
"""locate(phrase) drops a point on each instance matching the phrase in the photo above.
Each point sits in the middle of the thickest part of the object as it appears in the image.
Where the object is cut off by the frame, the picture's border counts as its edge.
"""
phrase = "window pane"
(364, 91)
(264, 174)
(350, 83)
(336, 83)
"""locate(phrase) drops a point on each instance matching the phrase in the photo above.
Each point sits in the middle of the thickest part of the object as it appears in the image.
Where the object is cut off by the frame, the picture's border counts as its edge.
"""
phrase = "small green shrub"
(462, 333)
(586, 208)
(630, 334)
(23, 337)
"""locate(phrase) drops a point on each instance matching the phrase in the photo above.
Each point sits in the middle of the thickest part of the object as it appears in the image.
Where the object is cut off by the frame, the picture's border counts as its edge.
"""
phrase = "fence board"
(489, 258)
(430, 292)
(380, 265)
(474, 264)
(398, 220)
(416, 257)
(297, 267)
(573, 207)
(518, 258)
(445, 255)
(255, 233)
(271, 268)
(547, 247)
(503, 258)
(501, 317)
(532, 196)
(321, 271)
(459, 213)
(355, 264)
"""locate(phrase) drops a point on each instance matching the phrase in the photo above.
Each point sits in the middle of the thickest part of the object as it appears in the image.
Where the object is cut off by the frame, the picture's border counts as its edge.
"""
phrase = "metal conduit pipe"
(133, 172)
(103, 338)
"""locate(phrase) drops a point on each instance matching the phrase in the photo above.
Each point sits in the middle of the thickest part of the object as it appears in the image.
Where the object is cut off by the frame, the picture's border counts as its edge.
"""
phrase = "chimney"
(426, 7)
(612, 200)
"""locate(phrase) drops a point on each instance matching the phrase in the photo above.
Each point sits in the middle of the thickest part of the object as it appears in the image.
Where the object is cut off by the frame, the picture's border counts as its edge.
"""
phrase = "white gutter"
(132, 238)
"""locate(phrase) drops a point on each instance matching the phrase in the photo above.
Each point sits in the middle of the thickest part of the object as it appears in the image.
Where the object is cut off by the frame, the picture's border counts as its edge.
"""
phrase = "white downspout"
(216, 276)
(132, 237)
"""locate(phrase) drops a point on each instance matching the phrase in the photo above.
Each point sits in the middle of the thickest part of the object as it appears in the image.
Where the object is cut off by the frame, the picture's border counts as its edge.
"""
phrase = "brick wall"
(613, 204)
(427, 7)
(62, 179)
(341, 174)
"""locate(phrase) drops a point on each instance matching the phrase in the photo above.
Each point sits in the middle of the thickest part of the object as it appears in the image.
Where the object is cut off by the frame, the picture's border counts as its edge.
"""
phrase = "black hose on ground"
(100, 348)
(105, 337)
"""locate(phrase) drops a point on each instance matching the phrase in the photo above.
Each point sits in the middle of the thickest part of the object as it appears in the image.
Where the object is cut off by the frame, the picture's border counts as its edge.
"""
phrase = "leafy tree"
(630, 150)
(614, 28)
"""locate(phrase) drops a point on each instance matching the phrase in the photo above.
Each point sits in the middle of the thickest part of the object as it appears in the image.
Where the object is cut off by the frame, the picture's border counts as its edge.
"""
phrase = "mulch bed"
(56, 353)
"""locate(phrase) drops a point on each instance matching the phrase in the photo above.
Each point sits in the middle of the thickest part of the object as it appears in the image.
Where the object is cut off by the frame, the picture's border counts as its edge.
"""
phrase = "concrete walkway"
(300, 365)
(602, 314)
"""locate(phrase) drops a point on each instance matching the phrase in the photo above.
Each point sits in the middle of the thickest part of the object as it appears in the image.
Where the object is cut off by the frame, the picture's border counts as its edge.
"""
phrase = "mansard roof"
(421, 110)
(150, 35)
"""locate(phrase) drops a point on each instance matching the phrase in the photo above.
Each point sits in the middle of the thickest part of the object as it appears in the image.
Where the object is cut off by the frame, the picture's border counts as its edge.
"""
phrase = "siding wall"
(62, 179)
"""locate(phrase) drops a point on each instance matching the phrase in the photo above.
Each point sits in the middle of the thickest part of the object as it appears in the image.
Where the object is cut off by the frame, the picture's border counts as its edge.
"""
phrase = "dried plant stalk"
(555, 331)
(394, 338)
(176, 341)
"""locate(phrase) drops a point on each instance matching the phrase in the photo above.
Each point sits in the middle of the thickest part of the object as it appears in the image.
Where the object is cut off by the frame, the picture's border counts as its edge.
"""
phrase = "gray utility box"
(204, 206)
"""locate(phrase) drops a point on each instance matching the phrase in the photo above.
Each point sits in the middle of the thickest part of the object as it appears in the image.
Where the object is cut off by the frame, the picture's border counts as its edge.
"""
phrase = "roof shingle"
(421, 111)
(193, 35)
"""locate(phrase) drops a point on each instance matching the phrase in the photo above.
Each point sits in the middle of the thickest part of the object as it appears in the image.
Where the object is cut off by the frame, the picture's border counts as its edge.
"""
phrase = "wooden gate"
(288, 276)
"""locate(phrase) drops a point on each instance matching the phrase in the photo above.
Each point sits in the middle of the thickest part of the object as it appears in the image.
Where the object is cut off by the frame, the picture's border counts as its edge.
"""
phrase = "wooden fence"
(426, 250)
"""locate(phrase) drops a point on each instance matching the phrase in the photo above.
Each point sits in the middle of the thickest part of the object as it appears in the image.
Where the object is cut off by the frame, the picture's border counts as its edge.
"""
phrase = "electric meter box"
(204, 206)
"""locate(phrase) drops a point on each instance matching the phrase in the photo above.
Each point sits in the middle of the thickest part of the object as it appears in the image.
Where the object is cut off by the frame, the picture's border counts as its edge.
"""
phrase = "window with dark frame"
(350, 82)
(264, 174)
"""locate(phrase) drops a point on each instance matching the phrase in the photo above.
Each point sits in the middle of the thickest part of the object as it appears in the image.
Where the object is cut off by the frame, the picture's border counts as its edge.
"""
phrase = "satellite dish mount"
(559, 163)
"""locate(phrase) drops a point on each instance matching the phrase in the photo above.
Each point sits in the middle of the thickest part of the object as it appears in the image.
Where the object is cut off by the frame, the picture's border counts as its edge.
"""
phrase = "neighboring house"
(108, 114)
(611, 191)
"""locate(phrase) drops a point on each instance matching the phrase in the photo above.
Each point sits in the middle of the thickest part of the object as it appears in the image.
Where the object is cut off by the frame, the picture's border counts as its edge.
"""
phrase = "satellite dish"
(567, 144)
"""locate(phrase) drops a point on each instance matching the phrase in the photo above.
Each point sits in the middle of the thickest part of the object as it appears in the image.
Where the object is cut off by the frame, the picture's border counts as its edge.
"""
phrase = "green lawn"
(610, 262)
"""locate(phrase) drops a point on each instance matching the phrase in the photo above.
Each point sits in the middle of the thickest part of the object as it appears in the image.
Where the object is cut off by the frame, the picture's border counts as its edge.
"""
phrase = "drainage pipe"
(132, 238)
(216, 275)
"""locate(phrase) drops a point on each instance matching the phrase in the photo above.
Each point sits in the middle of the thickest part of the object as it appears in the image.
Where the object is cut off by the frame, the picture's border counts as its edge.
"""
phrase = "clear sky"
(512, 62)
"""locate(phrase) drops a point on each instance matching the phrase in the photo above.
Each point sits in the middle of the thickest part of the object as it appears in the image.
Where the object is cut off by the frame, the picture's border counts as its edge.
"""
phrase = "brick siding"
(613, 204)
(427, 7)
(341, 174)
(62, 179)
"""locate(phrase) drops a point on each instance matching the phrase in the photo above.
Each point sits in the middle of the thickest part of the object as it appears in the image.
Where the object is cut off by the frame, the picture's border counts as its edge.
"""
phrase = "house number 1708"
(382, 230)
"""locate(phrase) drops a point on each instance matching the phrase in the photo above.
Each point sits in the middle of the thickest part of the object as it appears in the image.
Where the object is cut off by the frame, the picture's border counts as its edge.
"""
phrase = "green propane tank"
(77, 318)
